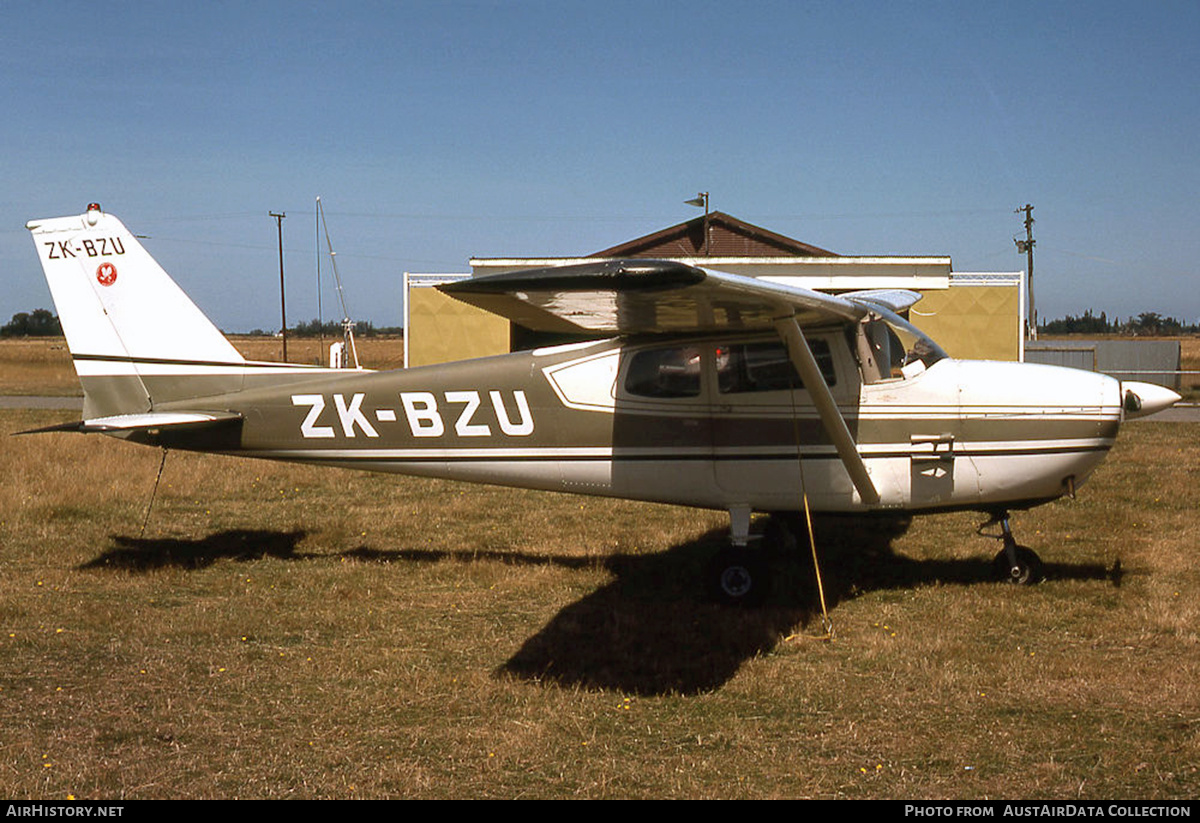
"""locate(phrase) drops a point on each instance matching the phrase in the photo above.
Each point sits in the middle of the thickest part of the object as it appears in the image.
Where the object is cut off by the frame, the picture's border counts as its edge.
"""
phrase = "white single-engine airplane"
(709, 389)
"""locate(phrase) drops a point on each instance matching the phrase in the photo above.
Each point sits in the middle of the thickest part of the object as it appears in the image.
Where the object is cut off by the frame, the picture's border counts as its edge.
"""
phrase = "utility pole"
(282, 302)
(1026, 247)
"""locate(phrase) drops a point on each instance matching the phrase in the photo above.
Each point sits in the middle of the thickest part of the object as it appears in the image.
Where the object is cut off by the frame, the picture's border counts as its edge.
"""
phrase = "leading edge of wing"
(642, 296)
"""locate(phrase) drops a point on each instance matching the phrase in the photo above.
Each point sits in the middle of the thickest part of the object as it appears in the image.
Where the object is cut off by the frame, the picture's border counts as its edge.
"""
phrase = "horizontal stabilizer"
(143, 422)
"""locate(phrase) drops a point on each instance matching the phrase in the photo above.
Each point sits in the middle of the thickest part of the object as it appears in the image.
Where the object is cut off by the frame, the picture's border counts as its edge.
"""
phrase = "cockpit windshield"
(889, 347)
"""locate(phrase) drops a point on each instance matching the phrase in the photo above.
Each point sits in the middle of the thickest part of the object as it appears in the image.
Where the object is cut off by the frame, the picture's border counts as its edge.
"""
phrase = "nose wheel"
(1014, 563)
(1024, 568)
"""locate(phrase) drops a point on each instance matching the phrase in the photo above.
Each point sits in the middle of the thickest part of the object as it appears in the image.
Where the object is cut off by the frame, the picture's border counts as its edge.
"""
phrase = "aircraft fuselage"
(709, 421)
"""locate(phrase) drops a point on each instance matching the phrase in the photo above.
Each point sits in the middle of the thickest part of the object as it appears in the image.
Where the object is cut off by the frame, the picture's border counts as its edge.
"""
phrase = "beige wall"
(972, 322)
(441, 329)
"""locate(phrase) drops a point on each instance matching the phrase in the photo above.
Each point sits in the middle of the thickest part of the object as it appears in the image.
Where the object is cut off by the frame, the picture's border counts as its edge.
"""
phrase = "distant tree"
(331, 328)
(1151, 324)
(1088, 323)
(38, 323)
(1148, 322)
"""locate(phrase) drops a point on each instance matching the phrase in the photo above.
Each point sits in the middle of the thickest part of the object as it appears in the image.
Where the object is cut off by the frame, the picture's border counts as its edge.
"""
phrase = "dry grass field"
(282, 631)
(42, 366)
(1190, 354)
(373, 352)
(37, 366)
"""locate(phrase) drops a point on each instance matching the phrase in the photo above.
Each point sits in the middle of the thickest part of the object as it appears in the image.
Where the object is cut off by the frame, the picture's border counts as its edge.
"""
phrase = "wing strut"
(835, 425)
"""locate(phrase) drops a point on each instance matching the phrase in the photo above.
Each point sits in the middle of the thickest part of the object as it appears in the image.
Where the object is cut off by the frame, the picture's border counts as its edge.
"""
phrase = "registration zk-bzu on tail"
(697, 388)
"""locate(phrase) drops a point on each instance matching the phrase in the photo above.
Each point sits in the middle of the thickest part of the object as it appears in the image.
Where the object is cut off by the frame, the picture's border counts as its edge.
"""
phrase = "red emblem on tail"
(106, 274)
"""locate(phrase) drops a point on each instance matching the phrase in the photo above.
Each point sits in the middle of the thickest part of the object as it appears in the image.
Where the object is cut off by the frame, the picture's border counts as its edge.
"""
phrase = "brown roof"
(727, 237)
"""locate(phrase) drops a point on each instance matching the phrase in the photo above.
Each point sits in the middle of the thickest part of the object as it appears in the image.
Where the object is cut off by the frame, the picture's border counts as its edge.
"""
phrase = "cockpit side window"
(766, 366)
(665, 372)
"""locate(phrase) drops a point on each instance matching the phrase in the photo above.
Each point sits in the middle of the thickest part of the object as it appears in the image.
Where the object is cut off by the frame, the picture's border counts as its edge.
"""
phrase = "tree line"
(331, 328)
(37, 323)
(1146, 324)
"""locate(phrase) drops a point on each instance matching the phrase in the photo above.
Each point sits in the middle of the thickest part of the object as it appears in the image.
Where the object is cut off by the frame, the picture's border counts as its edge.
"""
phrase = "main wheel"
(737, 577)
(1029, 568)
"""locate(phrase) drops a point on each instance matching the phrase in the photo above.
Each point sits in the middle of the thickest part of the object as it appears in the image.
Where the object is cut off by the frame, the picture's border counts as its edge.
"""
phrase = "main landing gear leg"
(1014, 563)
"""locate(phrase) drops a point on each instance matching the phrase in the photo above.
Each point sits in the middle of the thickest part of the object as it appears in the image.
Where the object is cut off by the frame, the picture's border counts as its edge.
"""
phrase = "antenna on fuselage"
(347, 323)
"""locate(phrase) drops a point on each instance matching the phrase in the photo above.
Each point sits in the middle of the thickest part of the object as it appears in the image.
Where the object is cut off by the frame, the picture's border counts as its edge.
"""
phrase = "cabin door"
(764, 423)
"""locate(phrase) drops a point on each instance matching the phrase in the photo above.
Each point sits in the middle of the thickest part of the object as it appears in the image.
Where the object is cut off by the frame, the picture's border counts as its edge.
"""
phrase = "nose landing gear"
(1014, 563)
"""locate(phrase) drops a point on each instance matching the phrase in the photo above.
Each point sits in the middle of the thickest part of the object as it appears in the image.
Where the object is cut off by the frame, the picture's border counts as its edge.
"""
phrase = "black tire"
(738, 577)
(1029, 569)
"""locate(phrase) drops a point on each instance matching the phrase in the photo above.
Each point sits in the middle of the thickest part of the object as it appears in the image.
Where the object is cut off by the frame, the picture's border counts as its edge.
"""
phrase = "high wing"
(658, 296)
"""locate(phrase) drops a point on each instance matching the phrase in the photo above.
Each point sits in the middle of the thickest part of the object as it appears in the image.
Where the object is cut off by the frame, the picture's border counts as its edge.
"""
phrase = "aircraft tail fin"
(135, 338)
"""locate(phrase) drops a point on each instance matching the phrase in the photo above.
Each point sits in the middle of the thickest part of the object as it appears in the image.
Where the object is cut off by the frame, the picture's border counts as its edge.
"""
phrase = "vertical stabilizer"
(135, 338)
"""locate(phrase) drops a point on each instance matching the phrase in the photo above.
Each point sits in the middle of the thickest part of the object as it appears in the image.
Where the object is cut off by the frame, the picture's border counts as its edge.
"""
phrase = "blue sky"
(434, 131)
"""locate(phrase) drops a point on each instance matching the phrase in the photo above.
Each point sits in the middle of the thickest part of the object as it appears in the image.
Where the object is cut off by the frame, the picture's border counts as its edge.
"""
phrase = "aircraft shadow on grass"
(139, 554)
(652, 629)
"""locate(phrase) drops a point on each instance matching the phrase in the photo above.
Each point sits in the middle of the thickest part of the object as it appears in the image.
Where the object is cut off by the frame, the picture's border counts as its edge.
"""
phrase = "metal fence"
(1150, 361)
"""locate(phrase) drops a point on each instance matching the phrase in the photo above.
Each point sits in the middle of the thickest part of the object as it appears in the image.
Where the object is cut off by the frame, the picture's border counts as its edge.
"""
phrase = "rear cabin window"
(669, 372)
(758, 367)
